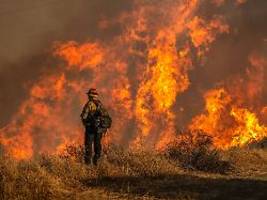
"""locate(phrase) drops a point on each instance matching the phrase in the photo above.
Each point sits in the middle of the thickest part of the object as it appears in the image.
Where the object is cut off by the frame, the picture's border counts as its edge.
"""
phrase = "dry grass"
(27, 180)
(123, 174)
(248, 162)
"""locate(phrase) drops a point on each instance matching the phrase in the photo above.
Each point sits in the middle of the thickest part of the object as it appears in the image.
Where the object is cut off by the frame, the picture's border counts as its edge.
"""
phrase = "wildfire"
(227, 119)
(139, 75)
(248, 128)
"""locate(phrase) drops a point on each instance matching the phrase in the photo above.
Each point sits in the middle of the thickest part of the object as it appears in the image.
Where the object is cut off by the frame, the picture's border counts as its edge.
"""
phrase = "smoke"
(29, 29)
(145, 57)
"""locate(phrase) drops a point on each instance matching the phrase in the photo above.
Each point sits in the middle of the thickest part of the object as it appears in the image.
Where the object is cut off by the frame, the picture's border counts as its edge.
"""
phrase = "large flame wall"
(140, 74)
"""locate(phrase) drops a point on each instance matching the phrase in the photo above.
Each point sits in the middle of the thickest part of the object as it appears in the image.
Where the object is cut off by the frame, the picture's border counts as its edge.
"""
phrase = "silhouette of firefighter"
(96, 121)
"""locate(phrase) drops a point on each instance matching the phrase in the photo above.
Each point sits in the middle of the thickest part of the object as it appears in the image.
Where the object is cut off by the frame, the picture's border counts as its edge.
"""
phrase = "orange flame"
(227, 119)
(139, 75)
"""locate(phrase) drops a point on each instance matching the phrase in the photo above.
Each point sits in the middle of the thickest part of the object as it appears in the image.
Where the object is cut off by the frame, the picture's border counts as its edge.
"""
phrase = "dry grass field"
(197, 173)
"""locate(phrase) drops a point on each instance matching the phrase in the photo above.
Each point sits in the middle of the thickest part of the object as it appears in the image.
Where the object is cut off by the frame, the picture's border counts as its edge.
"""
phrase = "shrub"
(194, 150)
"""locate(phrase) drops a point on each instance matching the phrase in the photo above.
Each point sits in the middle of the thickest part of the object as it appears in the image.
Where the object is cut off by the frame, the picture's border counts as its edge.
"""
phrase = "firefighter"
(96, 121)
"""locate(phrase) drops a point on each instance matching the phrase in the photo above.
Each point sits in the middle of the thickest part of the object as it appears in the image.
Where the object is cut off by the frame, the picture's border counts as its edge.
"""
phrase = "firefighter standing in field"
(96, 121)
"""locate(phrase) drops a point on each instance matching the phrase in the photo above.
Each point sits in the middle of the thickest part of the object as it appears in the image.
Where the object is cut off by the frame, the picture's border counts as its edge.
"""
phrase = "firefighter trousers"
(92, 142)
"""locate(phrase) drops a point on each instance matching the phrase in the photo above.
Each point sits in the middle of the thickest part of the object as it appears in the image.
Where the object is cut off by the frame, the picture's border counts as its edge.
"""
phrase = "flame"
(202, 34)
(248, 128)
(166, 74)
(85, 56)
(230, 125)
(227, 119)
(139, 74)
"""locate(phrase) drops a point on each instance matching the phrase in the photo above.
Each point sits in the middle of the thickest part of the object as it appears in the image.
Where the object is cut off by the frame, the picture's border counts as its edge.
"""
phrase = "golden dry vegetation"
(200, 172)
